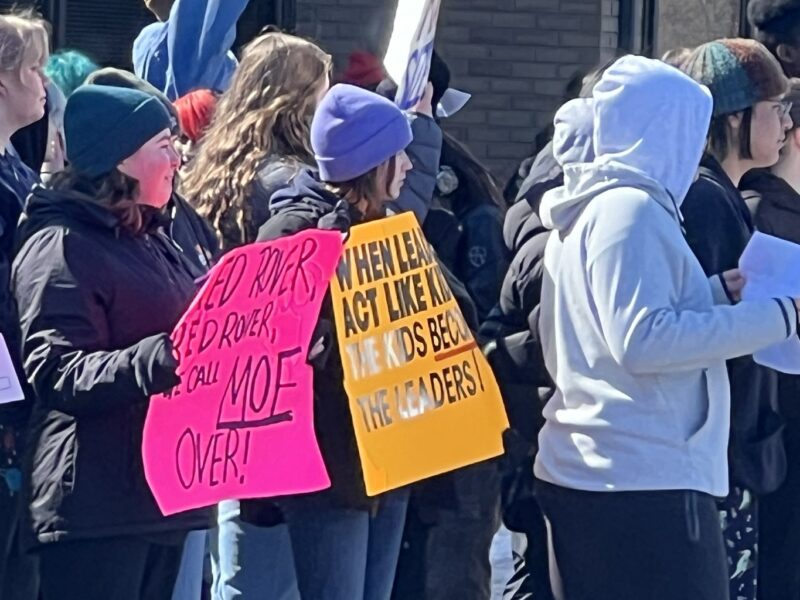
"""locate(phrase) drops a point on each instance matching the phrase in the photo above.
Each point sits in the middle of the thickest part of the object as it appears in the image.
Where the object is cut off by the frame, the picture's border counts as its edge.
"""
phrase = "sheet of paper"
(452, 101)
(10, 389)
(772, 268)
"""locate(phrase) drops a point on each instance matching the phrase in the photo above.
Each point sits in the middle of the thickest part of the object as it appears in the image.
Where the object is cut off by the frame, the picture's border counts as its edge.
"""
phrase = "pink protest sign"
(240, 424)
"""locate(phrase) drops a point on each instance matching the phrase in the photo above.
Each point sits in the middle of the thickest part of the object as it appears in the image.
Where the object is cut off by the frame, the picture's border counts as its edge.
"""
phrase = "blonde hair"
(267, 111)
(24, 40)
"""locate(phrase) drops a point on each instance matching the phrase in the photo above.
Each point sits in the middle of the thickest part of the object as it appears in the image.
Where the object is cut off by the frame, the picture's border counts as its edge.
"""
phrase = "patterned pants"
(739, 519)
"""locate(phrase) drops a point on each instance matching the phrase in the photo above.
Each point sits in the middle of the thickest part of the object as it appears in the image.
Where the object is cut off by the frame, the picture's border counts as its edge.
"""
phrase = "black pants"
(634, 545)
(447, 556)
(129, 568)
(779, 536)
(19, 573)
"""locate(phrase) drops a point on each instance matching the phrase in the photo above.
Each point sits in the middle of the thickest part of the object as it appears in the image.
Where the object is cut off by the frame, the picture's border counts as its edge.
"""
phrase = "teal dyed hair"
(69, 69)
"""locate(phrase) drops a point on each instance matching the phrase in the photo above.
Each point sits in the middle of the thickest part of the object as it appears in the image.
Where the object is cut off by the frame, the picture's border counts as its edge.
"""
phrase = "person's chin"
(35, 116)
(159, 199)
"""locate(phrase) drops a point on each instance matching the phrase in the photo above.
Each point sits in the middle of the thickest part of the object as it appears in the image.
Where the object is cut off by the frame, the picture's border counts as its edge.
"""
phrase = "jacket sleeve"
(483, 260)
(200, 34)
(634, 281)
(425, 151)
(521, 291)
(66, 341)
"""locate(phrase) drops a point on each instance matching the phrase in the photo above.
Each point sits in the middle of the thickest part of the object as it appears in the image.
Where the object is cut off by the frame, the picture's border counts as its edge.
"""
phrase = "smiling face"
(153, 166)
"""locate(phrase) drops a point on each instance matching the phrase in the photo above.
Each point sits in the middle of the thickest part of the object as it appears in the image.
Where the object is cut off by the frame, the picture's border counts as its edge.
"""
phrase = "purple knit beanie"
(354, 131)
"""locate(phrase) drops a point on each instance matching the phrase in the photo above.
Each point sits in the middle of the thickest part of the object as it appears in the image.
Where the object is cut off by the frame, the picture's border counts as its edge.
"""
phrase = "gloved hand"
(155, 364)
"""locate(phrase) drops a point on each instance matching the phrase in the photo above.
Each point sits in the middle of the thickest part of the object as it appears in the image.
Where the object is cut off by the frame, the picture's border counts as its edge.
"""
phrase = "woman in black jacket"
(747, 131)
(100, 286)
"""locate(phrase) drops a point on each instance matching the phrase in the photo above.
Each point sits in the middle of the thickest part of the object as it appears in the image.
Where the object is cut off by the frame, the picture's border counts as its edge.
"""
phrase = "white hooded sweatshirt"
(635, 335)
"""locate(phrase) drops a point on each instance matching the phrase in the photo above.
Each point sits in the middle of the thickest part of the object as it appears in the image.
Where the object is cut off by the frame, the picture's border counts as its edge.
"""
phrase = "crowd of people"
(649, 455)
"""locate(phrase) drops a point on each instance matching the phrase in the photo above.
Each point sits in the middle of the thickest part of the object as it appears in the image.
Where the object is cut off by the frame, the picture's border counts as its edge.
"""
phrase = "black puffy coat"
(516, 355)
(97, 304)
(718, 228)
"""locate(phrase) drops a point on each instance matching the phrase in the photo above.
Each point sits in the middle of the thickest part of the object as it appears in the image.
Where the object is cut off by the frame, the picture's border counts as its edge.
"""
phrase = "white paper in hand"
(10, 389)
(772, 269)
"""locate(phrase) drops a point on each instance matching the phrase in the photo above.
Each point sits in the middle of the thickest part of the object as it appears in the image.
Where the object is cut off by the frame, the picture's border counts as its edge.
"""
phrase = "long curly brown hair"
(267, 111)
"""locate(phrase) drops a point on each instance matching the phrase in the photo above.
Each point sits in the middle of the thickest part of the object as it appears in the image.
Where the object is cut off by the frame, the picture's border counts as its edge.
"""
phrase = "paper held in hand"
(772, 269)
(10, 389)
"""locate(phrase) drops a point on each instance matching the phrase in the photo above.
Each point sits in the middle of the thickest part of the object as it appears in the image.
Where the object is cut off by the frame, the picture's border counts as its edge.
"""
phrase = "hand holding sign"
(240, 424)
(425, 104)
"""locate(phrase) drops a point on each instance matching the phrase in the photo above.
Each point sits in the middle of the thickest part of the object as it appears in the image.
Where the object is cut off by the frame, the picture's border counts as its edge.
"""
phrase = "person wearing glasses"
(773, 197)
(748, 129)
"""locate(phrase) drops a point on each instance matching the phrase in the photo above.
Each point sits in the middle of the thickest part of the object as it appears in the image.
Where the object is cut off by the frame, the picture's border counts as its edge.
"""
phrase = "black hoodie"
(718, 227)
(773, 203)
(775, 207)
(96, 306)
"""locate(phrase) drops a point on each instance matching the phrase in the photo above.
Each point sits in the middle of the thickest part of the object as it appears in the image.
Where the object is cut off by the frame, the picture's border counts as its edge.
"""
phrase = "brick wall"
(514, 56)
(609, 29)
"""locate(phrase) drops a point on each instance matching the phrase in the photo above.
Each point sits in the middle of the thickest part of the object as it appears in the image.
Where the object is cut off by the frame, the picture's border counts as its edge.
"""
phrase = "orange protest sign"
(423, 398)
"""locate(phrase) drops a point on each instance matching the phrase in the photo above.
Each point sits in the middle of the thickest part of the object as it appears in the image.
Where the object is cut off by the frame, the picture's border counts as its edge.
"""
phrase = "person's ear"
(735, 121)
(794, 138)
(788, 54)
(123, 167)
(3, 86)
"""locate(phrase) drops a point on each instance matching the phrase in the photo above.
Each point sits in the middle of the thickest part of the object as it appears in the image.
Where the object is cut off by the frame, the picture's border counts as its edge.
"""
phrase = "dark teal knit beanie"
(105, 125)
(738, 72)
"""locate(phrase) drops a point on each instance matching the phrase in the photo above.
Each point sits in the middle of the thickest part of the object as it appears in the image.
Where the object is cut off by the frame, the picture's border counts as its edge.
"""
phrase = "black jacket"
(192, 234)
(775, 208)
(773, 204)
(718, 227)
(516, 353)
(274, 174)
(480, 259)
(307, 204)
(526, 238)
(13, 192)
(97, 304)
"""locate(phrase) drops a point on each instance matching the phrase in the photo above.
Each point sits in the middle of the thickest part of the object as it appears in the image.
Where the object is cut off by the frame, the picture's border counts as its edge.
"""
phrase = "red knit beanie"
(363, 70)
(195, 110)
